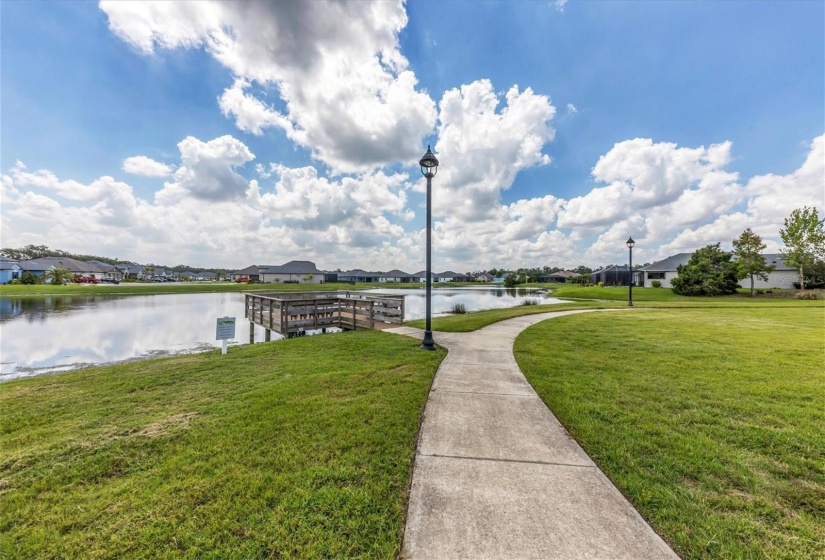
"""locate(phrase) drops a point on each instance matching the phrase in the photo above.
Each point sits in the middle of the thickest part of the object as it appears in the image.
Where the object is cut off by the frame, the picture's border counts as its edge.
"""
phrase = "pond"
(47, 335)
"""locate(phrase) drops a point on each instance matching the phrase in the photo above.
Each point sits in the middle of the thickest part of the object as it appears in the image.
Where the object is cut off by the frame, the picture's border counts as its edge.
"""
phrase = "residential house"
(484, 277)
(395, 276)
(561, 276)
(783, 276)
(616, 275)
(9, 270)
(421, 276)
(303, 272)
(109, 271)
(252, 272)
(450, 276)
(360, 276)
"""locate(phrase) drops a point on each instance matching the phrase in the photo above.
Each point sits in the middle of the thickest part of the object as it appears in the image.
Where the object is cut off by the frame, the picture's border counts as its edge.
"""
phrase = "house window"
(655, 275)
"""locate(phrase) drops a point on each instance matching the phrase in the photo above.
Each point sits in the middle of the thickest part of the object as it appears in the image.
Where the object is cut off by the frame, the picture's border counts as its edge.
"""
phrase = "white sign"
(226, 328)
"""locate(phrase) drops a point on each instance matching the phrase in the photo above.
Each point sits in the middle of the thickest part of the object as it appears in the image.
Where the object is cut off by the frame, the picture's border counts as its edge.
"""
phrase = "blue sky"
(649, 87)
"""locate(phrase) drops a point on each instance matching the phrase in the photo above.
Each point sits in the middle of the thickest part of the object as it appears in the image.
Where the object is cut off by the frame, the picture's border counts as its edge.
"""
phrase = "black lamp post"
(630, 243)
(429, 167)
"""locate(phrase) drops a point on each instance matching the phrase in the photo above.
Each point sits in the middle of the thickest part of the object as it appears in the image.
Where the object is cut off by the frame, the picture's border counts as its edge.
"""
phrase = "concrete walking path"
(497, 476)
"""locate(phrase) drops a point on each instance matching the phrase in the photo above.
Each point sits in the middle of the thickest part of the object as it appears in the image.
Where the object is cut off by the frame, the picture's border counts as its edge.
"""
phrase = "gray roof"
(253, 269)
(358, 273)
(72, 265)
(777, 260)
(395, 274)
(106, 267)
(292, 267)
(560, 274)
(7, 263)
(613, 268)
(669, 264)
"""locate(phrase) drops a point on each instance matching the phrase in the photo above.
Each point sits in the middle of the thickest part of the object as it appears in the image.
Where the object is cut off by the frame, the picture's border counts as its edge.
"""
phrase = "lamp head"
(630, 243)
(429, 163)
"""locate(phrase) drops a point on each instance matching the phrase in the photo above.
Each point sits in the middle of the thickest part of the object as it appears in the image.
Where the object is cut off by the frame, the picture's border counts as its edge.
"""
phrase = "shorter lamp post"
(429, 167)
(630, 243)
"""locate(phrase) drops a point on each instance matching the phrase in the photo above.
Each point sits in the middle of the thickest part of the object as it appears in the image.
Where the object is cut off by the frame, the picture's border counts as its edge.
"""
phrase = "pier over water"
(290, 314)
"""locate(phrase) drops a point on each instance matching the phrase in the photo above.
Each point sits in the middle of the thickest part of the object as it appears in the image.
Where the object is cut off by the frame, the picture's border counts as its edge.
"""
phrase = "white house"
(664, 271)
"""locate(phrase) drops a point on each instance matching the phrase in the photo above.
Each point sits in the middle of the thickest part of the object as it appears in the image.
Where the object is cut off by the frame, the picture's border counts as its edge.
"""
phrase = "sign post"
(224, 331)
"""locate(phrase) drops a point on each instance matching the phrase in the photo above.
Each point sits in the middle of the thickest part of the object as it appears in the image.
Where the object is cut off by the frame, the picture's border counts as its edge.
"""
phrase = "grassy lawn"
(293, 449)
(135, 288)
(710, 421)
(659, 297)
(475, 320)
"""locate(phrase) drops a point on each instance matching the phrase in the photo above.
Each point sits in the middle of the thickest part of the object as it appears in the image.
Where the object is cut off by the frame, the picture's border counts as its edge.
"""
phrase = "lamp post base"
(428, 343)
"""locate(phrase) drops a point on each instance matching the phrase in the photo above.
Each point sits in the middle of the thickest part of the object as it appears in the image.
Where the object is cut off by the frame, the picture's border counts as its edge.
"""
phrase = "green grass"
(659, 297)
(478, 319)
(299, 448)
(132, 288)
(710, 421)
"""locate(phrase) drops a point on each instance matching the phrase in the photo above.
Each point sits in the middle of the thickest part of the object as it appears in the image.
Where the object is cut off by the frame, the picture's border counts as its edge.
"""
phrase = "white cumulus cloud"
(146, 166)
(348, 93)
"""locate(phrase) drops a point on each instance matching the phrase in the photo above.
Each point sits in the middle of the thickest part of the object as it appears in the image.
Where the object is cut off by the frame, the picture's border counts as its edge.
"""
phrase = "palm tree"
(57, 276)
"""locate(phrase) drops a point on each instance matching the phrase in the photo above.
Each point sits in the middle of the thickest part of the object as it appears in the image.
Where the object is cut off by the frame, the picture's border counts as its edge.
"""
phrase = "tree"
(28, 278)
(57, 276)
(804, 239)
(709, 272)
(747, 249)
(511, 280)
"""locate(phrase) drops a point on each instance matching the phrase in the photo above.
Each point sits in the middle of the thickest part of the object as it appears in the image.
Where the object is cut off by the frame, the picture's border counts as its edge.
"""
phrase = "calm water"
(46, 335)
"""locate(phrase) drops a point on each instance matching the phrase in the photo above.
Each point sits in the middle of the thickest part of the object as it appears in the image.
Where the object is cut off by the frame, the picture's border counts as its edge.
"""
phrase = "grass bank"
(710, 421)
(300, 448)
(129, 288)
(134, 288)
(475, 320)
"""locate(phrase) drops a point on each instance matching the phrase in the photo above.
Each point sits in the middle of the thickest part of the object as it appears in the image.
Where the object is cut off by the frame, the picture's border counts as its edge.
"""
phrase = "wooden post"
(372, 314)
(251, 332)
(353, 315)
(270, 316)
(315, 314)
(267, 335)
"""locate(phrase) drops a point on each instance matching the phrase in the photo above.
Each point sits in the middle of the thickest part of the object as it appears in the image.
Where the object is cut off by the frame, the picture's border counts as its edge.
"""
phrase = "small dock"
(293, 314)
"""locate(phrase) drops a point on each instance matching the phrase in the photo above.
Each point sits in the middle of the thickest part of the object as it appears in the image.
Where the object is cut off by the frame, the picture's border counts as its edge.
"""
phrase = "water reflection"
(43, 335)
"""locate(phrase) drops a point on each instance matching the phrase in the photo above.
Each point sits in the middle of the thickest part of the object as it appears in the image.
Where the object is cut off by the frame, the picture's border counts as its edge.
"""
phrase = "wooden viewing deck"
(290, 314)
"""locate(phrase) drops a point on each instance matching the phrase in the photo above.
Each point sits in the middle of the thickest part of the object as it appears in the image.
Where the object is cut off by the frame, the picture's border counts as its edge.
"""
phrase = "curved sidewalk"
(497, 476)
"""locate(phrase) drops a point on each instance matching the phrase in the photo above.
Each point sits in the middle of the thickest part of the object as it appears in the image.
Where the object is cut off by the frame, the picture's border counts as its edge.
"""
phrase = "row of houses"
(306, 272)
(11, 269)
(664, 271)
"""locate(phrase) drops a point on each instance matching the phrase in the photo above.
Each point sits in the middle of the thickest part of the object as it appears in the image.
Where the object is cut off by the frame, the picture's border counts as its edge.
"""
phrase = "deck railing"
(288, 314)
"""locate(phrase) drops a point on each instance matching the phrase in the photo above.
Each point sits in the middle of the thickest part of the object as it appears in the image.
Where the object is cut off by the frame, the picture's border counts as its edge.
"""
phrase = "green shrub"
(601, 284)
(529, 301)
(768, 291)
(28, 278)
(458, 308)
(760, 291)
(656, 284)
(709, 272)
